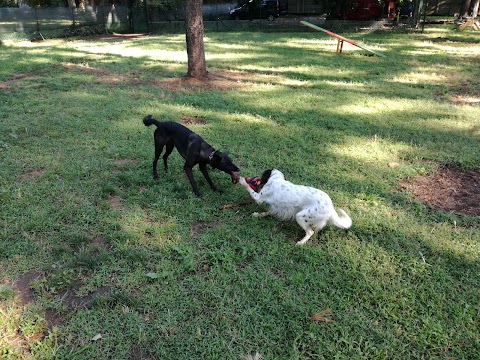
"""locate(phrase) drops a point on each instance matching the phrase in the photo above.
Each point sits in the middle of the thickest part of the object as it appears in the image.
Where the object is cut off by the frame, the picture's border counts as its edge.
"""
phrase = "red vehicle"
(366, 10)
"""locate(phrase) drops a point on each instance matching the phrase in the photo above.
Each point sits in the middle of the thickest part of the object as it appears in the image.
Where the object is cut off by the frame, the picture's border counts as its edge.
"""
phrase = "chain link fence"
(138, 16)
(28, 22)
(143, 16)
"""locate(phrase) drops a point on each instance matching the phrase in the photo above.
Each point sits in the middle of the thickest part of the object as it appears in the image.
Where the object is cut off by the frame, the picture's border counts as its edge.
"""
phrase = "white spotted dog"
(312, 208)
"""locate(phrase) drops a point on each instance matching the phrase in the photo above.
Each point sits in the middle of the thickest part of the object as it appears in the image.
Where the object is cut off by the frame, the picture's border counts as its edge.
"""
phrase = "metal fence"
(54, 21)
(142, 16)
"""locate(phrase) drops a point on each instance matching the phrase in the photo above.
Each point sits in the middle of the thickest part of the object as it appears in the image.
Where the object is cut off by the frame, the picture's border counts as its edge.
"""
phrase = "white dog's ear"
(265, 176)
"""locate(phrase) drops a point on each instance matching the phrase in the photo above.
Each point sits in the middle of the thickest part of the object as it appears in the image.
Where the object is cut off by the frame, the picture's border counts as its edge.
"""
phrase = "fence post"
(104, 19)
(73, 17)
(130, 16)
(146, 16)
(36, 19)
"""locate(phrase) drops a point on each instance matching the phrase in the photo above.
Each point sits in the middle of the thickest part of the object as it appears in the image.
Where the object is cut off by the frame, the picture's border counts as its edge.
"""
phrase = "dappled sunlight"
(438, 113)
(466, 50)
(148, 254)
(345, 84)
(422, 75)
(232, 56)
(305, 70)
(375, 106)
(437, 48)
(145, 231)
(126, 50)
(31, 44)
(250, 118)
(12, 337)
(373, 150)
(233, 47)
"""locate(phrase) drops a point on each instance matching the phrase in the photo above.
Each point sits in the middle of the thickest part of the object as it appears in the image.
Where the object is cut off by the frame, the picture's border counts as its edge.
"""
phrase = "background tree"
(194, 37)
(464, 9)
(476, 4)
(8, 3)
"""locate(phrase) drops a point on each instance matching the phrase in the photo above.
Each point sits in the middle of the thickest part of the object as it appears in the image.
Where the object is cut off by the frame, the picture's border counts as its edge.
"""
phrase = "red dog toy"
(254, 182)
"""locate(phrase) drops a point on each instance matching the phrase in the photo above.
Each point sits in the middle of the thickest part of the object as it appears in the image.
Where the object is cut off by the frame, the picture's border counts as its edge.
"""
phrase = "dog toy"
(229, 206)
(254, 182)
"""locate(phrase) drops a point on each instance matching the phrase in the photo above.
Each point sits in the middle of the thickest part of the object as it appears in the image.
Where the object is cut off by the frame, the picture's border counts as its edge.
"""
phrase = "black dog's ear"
(265, 176)
(217, 157)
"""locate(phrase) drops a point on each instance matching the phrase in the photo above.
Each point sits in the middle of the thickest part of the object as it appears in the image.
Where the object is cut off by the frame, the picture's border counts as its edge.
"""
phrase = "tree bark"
(475, 8)
(194, 36)
(417, 12)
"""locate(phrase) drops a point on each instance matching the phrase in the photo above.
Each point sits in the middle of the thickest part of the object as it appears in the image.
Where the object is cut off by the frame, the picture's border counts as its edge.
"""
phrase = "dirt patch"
(12, 80)
(115, 202)
(117, 37)
(104, 76)
(466, 99)
(22, 286)
(99, 240)
(70, 300)
(449, 188)
(53, 318)
(138, 352)
(465, 94)
(219, 80)
(192, 120)
(199, 227)
(120, 163)
(32, 174)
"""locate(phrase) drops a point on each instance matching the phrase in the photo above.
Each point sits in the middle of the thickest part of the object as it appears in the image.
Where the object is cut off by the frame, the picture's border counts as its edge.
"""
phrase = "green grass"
(79, 207)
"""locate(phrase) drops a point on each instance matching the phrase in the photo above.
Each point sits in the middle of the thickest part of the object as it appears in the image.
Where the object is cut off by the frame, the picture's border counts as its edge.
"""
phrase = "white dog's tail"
(341, 219)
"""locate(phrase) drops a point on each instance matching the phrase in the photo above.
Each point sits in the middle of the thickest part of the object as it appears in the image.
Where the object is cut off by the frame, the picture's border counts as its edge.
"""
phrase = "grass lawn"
(100, 261)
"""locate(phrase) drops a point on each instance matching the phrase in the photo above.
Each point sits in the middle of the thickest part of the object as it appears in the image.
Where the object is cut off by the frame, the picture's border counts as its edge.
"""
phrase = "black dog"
(193, 149)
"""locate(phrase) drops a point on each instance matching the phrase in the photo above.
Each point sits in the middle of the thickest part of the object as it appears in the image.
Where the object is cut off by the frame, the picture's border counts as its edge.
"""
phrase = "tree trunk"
(417, 12)
(475, 8)
(194, 36)
(464, 9)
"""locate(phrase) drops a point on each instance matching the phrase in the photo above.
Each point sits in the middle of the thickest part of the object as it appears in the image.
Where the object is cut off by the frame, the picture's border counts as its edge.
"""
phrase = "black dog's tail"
(149, 120)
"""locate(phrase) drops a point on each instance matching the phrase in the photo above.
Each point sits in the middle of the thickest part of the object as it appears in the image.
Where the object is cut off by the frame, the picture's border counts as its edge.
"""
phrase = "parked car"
(258, 9)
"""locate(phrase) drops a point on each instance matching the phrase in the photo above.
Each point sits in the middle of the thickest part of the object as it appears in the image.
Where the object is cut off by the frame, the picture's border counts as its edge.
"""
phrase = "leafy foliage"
(8, 3)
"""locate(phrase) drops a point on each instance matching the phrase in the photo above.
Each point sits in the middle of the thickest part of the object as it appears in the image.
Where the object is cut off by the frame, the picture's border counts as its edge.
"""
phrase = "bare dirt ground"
(449, 189)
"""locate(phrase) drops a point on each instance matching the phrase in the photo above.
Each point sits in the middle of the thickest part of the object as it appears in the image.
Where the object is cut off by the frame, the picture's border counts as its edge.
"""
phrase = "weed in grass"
(6, 292)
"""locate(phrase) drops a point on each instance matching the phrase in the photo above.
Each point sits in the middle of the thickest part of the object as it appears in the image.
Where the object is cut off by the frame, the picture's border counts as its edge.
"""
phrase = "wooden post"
(339, 46)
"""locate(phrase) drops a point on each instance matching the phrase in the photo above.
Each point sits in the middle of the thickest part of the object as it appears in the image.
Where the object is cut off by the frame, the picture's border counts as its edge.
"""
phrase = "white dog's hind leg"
(320, 225)
(302, 221)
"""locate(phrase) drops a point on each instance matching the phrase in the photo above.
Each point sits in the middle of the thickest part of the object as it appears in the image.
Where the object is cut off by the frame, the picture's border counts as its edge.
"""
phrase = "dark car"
(257, 9)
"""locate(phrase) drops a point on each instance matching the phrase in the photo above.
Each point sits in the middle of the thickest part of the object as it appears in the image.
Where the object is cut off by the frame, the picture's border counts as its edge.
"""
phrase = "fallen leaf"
(323, 316)
(255, 356)
(152, 275)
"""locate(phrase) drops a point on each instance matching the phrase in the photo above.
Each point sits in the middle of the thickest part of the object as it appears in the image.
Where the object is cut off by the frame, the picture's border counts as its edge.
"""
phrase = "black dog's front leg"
(203, 169)
(155, 161)
(168, 151)
(188, 171)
